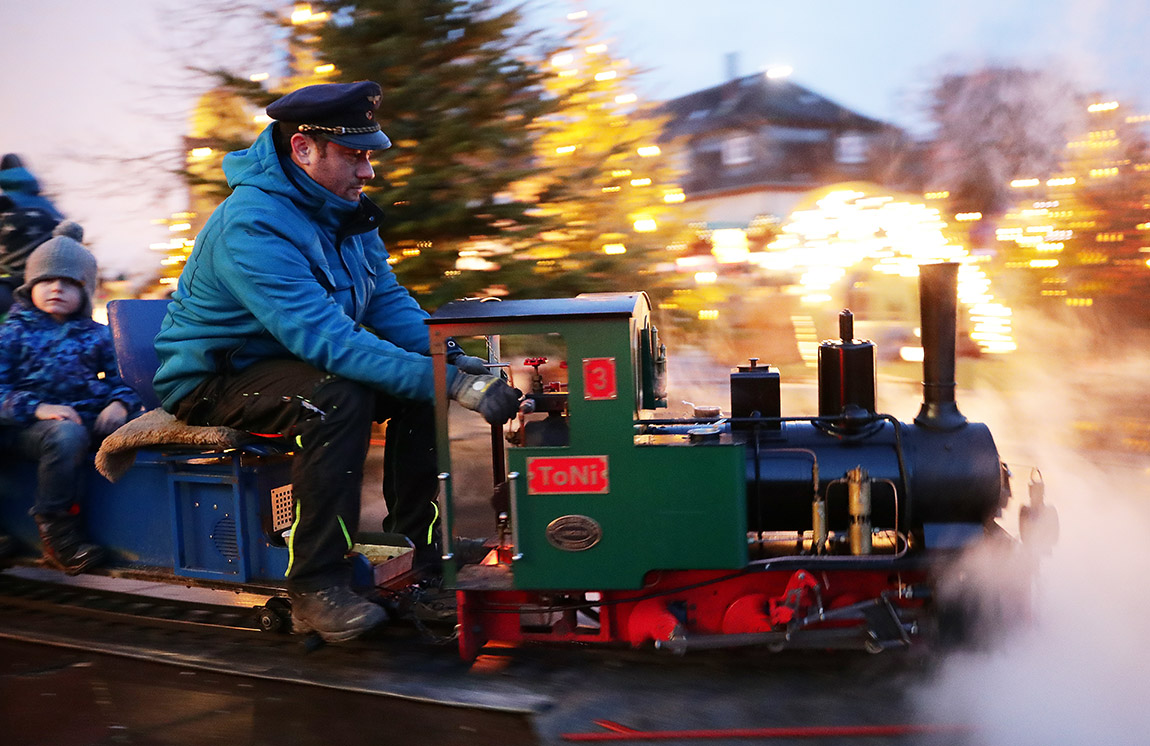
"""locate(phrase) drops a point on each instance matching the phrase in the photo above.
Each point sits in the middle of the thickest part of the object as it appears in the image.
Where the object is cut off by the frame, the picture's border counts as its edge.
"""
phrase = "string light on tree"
(604, 176)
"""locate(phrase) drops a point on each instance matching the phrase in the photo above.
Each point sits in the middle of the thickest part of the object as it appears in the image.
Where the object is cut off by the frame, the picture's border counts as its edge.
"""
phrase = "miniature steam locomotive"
(612, 525)
(745, 528)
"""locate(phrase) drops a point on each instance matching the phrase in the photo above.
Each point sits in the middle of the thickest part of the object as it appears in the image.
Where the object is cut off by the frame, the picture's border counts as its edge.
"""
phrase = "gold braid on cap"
(338, 130)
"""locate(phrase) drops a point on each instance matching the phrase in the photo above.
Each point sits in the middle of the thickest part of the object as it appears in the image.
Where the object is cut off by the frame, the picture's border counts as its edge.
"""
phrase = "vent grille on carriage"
(283, 510)
(224, 537)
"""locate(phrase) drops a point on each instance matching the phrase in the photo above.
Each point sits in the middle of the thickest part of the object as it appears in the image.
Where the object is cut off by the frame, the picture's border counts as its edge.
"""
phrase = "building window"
(850, 148)
(736, 150)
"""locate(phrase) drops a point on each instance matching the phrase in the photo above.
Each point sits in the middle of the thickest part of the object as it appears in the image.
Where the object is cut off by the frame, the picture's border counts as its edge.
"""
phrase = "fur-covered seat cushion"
(157, 428)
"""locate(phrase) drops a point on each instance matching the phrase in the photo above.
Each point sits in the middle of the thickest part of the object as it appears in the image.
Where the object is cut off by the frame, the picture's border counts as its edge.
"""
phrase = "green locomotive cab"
(583, 495)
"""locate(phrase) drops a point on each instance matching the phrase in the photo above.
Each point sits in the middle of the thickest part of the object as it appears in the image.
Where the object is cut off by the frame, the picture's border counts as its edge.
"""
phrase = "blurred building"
(756, 144)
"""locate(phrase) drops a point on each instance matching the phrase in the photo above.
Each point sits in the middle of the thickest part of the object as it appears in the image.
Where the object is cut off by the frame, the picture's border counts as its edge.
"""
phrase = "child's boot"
(64, 544)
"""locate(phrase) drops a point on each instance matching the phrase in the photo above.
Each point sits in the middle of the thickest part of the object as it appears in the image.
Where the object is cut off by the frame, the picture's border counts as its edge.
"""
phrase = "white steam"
(1077, 671)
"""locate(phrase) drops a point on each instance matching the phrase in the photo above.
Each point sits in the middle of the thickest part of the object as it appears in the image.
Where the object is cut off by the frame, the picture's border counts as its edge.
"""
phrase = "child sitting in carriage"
(60, 392)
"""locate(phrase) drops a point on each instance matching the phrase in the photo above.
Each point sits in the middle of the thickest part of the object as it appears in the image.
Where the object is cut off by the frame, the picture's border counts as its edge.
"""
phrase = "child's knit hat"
(62, 256)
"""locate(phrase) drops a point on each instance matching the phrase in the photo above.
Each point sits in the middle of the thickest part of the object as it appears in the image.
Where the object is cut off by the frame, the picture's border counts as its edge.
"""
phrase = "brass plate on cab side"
(574, 533)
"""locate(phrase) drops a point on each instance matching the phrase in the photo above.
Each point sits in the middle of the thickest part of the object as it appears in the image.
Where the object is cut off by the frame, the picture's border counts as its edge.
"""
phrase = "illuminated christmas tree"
(226, 118)
(604, 180)
(1081, 234)
(459, 95)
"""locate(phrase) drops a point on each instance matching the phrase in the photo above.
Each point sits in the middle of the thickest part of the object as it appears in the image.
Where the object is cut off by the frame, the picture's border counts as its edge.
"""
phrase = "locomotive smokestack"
(938, 301)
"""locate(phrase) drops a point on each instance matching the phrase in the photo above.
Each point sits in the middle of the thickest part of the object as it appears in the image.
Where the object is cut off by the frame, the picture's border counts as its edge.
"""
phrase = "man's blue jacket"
(286, 269)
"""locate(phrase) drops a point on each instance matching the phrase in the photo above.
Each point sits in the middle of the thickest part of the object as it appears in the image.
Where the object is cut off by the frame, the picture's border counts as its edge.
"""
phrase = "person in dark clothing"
(288, 319)
(60, 391)
(26, 221)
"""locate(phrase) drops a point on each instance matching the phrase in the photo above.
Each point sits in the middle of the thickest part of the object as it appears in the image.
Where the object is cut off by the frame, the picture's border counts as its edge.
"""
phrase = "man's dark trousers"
(328, 421)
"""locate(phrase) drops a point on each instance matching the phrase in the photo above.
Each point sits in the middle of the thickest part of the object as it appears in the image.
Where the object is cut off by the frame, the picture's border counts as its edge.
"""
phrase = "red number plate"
(566, 475)
(599, 378)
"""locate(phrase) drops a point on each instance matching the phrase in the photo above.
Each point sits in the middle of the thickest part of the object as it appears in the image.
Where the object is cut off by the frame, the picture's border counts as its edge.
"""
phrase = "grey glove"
(488, 395)
(470, 364)
(466, 363)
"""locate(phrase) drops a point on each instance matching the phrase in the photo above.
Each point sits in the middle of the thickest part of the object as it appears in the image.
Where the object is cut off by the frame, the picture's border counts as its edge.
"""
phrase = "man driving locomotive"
(287, 319)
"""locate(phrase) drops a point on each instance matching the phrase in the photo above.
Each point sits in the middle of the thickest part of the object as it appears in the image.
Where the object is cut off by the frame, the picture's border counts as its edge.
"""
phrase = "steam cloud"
(1076, 668)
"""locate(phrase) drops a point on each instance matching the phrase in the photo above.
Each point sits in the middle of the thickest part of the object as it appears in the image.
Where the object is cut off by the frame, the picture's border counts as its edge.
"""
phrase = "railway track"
(531, 694)
(223, 634)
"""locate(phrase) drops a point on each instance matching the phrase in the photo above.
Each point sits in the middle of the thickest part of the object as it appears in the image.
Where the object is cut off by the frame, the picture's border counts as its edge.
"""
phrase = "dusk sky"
(92, 89)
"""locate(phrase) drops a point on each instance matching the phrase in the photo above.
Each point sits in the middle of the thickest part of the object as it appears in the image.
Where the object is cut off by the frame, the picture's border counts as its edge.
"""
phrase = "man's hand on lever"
(486, 394)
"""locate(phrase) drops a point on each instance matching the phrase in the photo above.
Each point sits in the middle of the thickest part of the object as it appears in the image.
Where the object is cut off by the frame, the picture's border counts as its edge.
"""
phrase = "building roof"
(753, 100)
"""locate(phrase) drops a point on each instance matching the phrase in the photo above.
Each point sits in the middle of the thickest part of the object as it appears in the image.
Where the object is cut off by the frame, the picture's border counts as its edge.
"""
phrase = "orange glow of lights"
(911, 354)
(302, 14)
(847, 228)
(730, 245)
